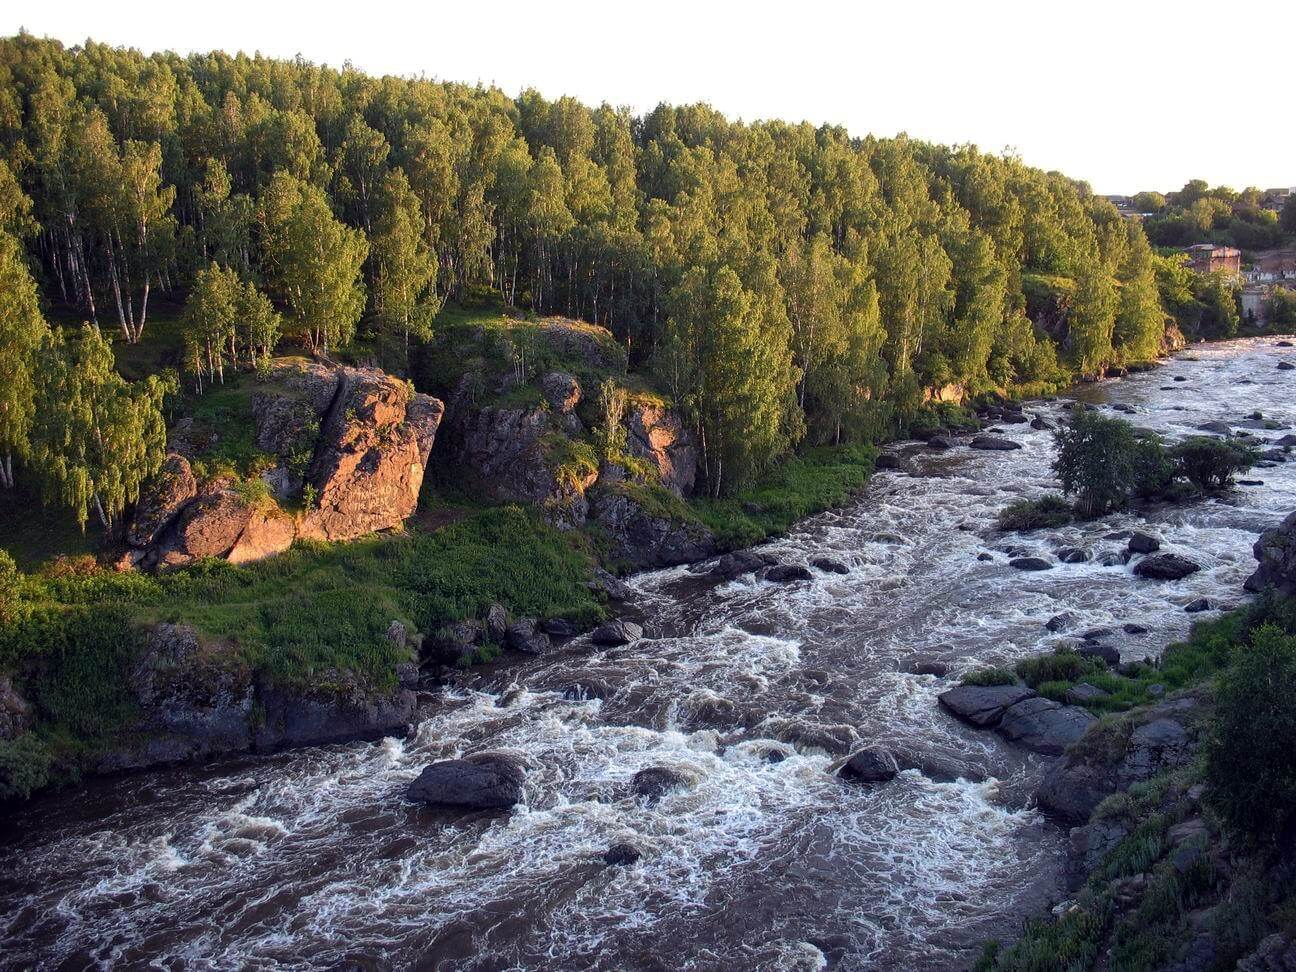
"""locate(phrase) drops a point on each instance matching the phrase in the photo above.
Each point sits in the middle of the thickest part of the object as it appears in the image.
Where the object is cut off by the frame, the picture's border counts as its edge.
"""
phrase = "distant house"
(1207, 258)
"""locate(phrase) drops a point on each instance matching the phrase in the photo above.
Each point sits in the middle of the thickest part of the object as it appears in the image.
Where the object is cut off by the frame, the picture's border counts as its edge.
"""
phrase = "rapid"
(313, 859)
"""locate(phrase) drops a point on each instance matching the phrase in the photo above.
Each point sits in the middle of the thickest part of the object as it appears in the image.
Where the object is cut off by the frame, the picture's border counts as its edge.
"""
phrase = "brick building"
(1207, 258)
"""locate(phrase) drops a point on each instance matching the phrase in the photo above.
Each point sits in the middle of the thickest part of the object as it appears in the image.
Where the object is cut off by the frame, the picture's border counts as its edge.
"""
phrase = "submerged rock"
(621, 855)
(869, 766)
(482, 782)
(787, 573)
(739, 562)
(828, 565)
(1030, 563)
(655, 782)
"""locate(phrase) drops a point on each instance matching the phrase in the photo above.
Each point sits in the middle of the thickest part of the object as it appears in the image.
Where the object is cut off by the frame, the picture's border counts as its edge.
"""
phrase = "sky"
(1140, 94)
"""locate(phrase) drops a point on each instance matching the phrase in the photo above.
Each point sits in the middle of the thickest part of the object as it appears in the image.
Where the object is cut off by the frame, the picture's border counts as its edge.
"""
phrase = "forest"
(786, 285)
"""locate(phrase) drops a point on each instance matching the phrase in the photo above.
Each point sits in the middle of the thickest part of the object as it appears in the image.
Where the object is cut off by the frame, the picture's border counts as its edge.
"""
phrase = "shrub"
(991, 675)
(1210, 463)
(10, 589)
(1250, 761)
(1064, 665)
(24, 766)
(1101, 461)
(1047, 511)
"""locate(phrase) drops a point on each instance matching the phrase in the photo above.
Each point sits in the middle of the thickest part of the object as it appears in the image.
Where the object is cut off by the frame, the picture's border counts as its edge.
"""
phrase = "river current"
(312, 858)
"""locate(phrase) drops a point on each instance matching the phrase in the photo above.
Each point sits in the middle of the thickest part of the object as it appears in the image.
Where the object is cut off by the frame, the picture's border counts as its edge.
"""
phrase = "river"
(312, 859)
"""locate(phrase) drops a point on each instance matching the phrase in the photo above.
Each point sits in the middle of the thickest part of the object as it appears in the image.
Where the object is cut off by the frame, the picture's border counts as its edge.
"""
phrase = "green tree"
(404, 270)
(21, 329)
(1140, 320)
(1250, 762)
(210, 323)
(1101, 461)
(314, 262)
(1092, 320)
(96, 437)
(730, 372)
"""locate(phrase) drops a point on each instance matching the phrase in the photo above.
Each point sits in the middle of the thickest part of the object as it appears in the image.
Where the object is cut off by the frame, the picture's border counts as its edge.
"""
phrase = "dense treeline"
(786, 283)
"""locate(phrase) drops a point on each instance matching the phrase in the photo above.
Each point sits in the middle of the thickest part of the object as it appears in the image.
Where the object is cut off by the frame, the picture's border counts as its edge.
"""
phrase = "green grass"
(297, 618)
(987, 677)
(820, 479)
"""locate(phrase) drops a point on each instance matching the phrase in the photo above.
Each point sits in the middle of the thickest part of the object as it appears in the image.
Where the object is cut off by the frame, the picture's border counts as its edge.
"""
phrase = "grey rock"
(1043, 725)
(1029, 563)
(1143, 543)
(788, 573)
(482, 782)
(615, 633)
(1084, 693)
(1165, 567)
(1197, 605)
(994, 443)
(983, 706)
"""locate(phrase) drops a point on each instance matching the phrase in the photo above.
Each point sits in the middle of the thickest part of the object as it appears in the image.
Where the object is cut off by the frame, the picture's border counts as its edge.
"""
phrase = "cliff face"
(355, 440)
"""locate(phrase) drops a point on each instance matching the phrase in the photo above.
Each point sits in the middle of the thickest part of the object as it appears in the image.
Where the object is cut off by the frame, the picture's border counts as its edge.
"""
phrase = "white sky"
(1128, 95)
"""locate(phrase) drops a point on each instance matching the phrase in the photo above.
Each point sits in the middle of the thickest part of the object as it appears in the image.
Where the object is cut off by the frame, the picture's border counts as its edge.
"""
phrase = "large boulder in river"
(486, 781)
(616, 633)
(370, 456)
(1043, 725)
(167, 493)
(787, 573)
(983, 705)
(1165, 567)
(994, 443)
(1276, 552)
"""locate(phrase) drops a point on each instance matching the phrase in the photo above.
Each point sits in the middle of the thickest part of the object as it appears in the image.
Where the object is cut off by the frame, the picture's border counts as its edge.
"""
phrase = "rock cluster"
(360, 437)
(1276, 552)
(1019, 715)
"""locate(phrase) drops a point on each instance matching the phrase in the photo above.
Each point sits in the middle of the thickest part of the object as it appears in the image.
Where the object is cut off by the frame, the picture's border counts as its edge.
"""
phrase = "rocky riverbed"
(675, 800)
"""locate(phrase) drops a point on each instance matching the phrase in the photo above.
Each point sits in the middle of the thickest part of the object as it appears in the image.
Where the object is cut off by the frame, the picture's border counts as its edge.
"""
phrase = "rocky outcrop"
(616, 633)
(1044, 726)
(16, 713)
(485, 781)
(370, 456)
(169, 490)
(983, 706)
(640, 538)
(197, 701)
(656, 433)
(1112, 756)
(1276, 552)
(518, 454)
(356, 438)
